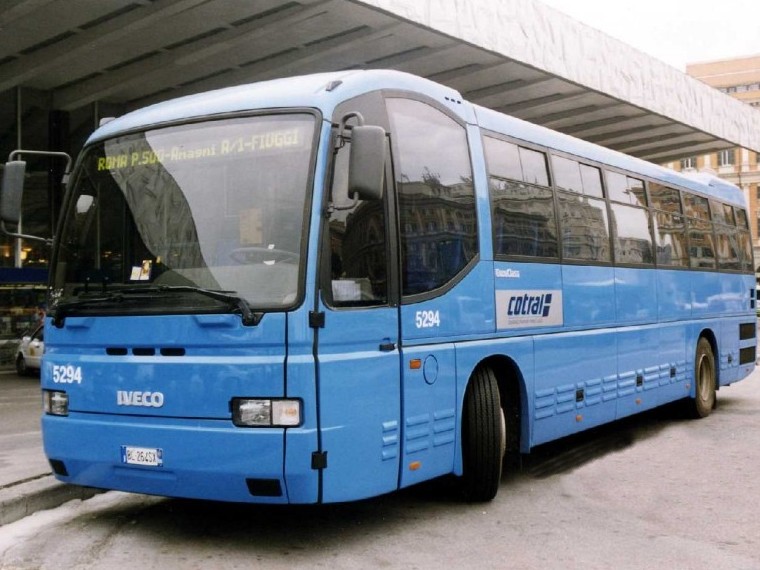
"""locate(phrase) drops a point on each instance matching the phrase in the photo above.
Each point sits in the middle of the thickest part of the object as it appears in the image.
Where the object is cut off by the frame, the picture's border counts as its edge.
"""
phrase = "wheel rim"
(704, 378)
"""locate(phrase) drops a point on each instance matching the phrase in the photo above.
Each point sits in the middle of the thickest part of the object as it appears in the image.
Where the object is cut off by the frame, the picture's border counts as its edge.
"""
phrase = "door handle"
(387, 346)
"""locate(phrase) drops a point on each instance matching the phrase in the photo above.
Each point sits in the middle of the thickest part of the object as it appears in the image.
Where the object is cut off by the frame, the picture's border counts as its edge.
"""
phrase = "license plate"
(147, 456)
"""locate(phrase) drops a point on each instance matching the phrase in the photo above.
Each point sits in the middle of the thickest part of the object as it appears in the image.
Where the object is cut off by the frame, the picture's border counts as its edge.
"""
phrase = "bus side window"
(744, 239)
(582, 211)
(631, 234)
(669, 226)
(522, 204)
(436, 196)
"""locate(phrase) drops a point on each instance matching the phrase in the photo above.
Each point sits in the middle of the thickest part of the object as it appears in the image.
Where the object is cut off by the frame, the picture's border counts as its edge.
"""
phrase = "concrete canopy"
(516, 56)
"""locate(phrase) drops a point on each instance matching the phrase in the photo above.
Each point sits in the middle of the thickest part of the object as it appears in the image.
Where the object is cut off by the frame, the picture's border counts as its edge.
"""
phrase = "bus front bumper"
(199, 459)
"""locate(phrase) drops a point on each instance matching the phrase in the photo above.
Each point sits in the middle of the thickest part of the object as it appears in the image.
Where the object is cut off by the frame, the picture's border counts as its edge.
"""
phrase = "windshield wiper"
(62, 310)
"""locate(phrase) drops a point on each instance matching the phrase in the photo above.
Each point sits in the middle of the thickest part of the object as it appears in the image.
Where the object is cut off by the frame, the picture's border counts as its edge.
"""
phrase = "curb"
(40, 493)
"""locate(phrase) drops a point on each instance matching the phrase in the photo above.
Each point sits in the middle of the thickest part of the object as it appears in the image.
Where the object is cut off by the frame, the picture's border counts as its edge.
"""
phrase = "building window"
(726, 157)
(690, 162)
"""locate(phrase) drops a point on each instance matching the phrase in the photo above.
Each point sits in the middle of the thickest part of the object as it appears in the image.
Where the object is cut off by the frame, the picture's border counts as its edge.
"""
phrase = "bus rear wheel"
(704, 380)
(483, 437)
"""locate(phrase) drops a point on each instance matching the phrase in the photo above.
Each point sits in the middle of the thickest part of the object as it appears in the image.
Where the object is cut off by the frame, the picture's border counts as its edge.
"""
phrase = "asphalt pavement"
(26, 482)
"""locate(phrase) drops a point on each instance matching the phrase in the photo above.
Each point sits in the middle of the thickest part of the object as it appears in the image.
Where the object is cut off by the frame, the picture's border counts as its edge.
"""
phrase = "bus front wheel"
(704, 380)
(483, 437)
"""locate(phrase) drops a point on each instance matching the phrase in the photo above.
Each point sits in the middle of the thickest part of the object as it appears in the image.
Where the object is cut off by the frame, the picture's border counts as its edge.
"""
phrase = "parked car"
(30, 349)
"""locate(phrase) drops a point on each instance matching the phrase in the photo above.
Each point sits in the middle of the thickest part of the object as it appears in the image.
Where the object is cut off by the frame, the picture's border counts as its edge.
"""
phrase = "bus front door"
(358, 358)
(359, 401)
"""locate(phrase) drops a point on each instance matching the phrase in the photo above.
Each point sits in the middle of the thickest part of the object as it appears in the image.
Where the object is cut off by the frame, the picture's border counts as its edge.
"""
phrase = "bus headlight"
(265, 412)
(55, 403)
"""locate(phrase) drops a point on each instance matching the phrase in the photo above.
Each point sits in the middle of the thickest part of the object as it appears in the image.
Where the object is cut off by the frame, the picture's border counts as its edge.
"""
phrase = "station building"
(66, 65)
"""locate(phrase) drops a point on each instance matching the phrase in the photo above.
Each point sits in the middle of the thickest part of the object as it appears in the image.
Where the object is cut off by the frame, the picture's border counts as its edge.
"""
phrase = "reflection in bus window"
(436, 197)
(524, 223)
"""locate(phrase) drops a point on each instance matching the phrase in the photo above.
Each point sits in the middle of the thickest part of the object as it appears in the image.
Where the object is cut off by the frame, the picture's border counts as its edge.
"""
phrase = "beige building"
(740, 78)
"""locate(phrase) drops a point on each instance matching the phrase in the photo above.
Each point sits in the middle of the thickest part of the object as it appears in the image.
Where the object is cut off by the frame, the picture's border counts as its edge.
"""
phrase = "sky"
(675, 31)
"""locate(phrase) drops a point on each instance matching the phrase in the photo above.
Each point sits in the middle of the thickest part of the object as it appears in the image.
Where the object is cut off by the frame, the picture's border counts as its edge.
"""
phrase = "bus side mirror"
(366, 164)
(12, 191)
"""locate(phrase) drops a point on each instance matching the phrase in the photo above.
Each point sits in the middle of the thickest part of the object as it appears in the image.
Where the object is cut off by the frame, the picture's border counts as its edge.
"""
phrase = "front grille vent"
(170, 351)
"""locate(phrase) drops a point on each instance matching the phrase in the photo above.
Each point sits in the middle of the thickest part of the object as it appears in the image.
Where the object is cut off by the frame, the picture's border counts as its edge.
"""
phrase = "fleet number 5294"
(427, 319)
(67, 374)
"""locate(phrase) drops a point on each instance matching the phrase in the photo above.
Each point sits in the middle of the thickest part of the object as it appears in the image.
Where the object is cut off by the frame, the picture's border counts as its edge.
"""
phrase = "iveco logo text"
(538, 305)
(146, 399)
(508, 273)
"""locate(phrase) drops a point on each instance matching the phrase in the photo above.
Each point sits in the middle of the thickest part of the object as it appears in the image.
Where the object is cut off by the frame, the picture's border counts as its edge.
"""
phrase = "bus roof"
(325, 91)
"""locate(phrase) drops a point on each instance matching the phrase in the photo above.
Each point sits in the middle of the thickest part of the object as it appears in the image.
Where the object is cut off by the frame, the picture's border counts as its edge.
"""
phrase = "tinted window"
(534, 167)
(745, 250)
(592, 181)
(728, 214)
(523, 218)
(567, 174)
(576, 177)
(696, 206)
(701, 246)
(664, 198)
(631, 237)
(727, 246)
(503, 159)
(585, 228)
(718, 214)
(436, 197)
(741, 218)
(670, 239)
(622, 188)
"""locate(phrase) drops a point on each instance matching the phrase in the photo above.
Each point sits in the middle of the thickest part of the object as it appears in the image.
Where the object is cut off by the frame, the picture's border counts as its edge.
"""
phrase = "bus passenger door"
(358, 349)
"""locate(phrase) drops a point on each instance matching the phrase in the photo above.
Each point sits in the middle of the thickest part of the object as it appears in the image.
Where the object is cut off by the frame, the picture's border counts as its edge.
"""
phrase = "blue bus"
(330, 287)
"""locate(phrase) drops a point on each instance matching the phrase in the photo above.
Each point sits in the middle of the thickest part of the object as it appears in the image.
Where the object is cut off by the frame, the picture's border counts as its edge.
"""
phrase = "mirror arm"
(63, 155)
(3, 229)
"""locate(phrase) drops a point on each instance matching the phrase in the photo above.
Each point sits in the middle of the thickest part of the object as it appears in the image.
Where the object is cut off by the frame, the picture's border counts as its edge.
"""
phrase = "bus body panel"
(430, 434)
(197, 364)
(359, 402)
(674, 299)
(301, 480)
(636, 295)
(644, 373)
(715, 294)
(571, 391)
(203, 459)
(588, 295)
(467, 309)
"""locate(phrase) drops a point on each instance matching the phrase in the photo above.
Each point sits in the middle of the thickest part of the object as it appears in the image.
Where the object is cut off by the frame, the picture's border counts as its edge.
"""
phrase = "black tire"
(21, 368)
(704, 381)
(483, 437)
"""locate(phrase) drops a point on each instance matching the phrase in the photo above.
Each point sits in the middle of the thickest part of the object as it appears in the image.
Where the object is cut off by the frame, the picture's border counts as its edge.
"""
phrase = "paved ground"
(26, 485)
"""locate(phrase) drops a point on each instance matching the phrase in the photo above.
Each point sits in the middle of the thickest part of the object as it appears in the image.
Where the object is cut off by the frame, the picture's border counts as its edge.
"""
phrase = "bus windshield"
(209, 207)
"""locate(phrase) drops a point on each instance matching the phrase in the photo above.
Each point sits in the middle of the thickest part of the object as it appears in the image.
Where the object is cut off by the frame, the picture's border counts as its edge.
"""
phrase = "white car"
(29, 354)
